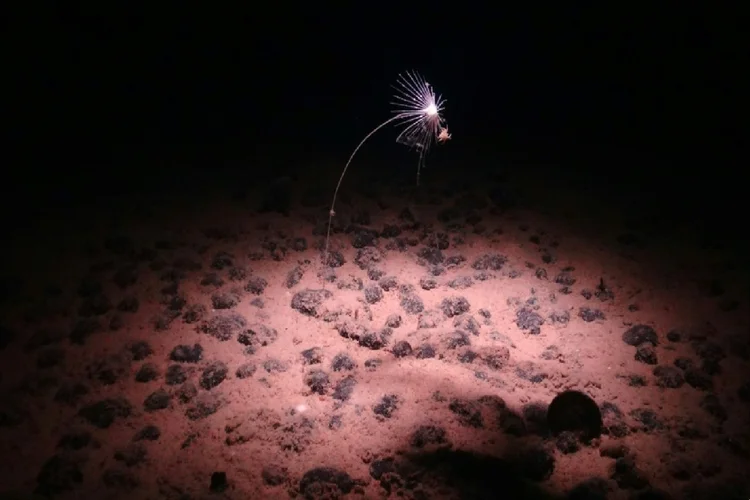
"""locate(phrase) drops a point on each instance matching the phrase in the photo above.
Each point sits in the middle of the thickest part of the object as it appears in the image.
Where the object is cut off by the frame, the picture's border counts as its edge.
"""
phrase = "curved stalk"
(331, 212)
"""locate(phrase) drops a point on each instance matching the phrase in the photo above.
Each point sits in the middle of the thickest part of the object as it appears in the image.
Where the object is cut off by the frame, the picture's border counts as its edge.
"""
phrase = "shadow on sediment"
(478, 476)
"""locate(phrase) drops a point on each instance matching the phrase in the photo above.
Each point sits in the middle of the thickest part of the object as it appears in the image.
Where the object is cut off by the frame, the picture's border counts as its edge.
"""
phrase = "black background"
(100, 92)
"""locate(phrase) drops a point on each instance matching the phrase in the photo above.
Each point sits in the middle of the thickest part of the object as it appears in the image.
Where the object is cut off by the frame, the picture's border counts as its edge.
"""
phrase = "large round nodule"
(575, 412)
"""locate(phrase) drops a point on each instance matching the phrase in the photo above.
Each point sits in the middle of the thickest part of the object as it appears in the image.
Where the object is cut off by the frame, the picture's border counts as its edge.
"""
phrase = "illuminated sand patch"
(206, 349)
